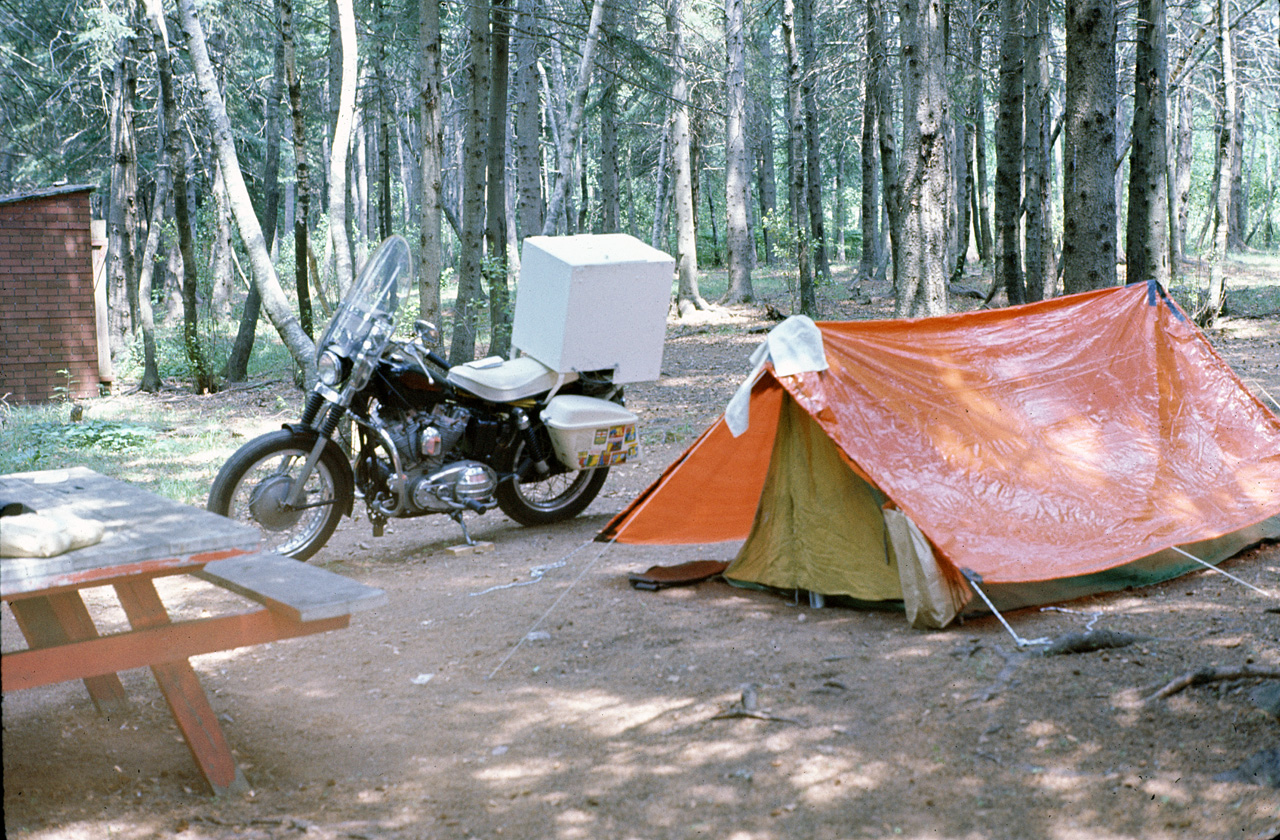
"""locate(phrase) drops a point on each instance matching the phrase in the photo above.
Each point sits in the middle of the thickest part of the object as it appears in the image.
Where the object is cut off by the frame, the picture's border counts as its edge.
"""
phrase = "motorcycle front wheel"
(254, 484)
(552, 499)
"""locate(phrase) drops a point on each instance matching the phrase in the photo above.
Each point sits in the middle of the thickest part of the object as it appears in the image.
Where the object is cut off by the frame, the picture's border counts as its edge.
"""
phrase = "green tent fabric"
(818, 526)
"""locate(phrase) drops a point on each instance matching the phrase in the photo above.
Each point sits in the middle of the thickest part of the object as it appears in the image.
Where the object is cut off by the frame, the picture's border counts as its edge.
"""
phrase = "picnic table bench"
(146, 537)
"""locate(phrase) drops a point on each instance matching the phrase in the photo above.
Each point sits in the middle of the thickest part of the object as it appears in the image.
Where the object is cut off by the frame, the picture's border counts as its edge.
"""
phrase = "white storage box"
(593, 302)
(587, 432)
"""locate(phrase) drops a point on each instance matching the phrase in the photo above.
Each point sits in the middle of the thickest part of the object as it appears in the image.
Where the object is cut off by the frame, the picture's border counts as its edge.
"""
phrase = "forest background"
(1039, 146)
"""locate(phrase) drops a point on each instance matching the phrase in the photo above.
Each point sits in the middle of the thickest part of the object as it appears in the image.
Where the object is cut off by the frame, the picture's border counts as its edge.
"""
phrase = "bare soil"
(529, 692)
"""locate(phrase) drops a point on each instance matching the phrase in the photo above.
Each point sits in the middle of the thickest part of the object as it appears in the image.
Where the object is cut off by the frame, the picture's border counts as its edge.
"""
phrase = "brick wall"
(47, 321)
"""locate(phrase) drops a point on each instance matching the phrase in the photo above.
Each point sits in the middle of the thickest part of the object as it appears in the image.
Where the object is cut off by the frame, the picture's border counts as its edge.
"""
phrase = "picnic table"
(147, 537)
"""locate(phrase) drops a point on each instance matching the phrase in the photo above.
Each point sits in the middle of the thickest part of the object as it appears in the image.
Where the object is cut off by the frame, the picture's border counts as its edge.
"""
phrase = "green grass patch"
(177, 460)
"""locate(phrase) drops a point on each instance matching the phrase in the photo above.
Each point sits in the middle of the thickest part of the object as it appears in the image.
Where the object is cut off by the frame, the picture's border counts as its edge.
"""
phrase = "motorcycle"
(391, 423)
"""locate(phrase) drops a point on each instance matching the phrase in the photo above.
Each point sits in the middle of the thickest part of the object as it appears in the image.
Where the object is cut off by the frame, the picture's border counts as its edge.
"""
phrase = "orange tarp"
(1028, 443)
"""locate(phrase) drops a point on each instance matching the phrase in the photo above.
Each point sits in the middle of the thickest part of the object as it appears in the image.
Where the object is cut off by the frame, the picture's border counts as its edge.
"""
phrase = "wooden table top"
(145, 533)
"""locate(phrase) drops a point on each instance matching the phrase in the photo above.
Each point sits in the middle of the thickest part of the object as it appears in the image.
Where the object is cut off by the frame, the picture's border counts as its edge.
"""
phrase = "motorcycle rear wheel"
(552, 499)
(254, 483)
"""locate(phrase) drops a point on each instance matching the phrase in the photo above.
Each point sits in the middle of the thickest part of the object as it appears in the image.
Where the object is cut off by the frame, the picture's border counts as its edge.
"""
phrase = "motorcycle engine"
(436, 480)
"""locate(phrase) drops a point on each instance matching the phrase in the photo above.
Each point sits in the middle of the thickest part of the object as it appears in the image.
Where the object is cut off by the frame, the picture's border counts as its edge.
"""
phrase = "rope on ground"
(1214, 568)
(552, 608)
(1092, 616)
(535, 574)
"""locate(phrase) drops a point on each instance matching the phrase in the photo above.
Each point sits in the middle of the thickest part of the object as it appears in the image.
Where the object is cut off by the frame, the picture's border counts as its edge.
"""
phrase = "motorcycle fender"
(344, 476)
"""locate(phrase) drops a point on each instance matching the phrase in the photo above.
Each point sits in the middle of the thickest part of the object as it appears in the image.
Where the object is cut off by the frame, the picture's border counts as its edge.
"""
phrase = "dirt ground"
(529, 692)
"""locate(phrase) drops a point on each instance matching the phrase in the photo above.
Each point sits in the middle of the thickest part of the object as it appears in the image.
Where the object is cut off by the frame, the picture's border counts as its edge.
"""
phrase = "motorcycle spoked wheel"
(552, 499)
(254, 483)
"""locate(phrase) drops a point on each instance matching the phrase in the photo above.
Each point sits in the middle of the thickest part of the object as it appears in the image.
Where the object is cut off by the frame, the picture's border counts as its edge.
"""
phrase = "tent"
(1036, 453)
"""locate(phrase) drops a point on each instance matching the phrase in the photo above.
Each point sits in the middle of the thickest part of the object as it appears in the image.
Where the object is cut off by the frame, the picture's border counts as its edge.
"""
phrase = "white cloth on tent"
(794, 346)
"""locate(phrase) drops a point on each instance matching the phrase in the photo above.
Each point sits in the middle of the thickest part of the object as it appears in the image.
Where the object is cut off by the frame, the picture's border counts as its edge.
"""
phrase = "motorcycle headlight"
(329, 368)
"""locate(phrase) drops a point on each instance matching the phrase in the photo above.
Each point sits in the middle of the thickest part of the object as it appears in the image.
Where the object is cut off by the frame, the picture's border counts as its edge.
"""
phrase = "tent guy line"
(1223, 572)
(974, 579)
(556, 603)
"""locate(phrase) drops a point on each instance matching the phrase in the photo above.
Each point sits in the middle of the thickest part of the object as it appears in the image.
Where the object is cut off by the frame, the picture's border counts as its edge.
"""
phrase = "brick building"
(48, 318)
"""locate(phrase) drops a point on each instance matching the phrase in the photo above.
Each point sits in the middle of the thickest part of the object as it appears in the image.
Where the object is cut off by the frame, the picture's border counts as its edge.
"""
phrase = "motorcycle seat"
(506, 380)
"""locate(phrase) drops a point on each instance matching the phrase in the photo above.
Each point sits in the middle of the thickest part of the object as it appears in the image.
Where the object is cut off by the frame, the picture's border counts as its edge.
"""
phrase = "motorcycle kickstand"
(456, 516)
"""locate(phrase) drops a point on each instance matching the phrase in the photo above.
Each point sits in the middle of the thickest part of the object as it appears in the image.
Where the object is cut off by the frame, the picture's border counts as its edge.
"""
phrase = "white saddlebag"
(588, 433)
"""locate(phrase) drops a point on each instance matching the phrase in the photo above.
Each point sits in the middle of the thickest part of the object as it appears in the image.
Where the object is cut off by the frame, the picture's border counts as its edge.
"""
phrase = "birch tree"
(573, 130)
(341, 145)
(264, 274)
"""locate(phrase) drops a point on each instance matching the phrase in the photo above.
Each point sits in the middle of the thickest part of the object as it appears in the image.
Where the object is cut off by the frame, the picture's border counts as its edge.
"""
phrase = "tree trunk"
(661, 186)
(1181, 182)
(1041, 274)
(430, 233)
(470, 268)
(1146, 235)
(813, 158)
(573, 129)
(766, 176)
(302, 171)
(528, 121)
(1008, 199)
(738, 236)
(688, 297)
(220, 260)
(151, 382)
(496, 266)
(796, 160)
(1089, 203)
(982, 203)
(236, 368)
(871, 258)
(877, 61)
(1207, 314)
(926, 158)
(264, 274)
(122, 229)
(203, 380)
(340, 148)
(610, 198)
(838, 211)
(1239, 218)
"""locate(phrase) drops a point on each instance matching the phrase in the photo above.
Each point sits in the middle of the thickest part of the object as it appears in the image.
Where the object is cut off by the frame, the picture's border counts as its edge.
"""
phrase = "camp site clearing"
(530, 692)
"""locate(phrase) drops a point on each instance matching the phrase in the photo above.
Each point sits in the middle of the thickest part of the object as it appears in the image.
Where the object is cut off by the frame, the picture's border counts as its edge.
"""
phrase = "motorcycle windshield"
(373, 298)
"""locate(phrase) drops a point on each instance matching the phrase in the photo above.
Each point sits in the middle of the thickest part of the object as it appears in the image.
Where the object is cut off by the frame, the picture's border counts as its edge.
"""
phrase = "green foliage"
(102, 28)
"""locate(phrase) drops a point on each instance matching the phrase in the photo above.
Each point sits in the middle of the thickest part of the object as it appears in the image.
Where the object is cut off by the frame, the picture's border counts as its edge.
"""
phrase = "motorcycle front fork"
(298, 494)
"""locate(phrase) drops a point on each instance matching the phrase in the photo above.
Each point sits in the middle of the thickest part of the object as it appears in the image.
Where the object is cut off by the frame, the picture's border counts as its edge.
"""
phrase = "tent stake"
(974, 579)
(1214, 568)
